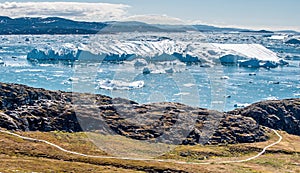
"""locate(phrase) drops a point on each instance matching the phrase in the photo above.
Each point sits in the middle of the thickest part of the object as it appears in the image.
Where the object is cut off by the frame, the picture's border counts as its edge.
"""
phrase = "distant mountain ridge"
(50, 25)
(56, 25)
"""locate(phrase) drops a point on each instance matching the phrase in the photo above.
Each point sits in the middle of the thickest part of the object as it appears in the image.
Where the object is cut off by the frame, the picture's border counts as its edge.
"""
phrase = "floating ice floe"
(73, 79)
(146, 70)
(292, 57)
(29, 70)
(189, 84)
(224, 77)
(170, 70)
(274, 82)
(119, 85)
(182, 94)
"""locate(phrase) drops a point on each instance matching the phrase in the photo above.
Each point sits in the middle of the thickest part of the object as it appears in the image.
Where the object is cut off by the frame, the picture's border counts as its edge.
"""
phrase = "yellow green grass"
(17, 155)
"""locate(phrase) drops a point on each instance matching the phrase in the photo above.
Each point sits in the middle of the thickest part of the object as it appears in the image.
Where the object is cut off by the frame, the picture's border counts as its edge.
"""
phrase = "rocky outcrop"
(276, 114)
(33, 109)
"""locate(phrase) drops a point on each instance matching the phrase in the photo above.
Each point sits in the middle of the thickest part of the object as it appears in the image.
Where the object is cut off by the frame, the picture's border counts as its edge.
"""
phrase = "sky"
(253, 14)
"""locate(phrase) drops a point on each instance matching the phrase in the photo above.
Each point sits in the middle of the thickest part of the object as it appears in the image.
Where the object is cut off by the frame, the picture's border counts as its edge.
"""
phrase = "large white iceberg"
(248, 55)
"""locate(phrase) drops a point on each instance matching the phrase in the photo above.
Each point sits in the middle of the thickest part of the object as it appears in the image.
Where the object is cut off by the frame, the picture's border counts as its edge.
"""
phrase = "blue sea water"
(216, 87)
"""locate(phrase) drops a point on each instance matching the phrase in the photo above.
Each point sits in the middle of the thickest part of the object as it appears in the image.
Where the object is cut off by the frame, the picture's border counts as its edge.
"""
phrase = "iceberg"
(293, 41)
(65, 52)
(246, 55)
(146, 70)
(278, 37)
(119, 85)
(292, 57)
(241, 105)
(224, 77)
(250, 55)
(250, 51)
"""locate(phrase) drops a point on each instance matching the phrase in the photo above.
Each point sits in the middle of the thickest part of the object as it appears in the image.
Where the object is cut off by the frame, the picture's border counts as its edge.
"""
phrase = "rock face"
(276, 114)
(31, 109)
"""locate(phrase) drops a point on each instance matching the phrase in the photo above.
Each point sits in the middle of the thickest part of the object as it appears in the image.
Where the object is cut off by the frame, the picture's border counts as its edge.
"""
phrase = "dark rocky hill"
(33, 109)
(51, 25)
(277, 114)
(56, 25)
